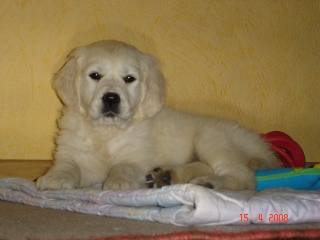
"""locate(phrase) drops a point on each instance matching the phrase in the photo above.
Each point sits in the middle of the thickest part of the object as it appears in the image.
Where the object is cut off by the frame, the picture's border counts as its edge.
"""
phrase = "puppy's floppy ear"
(153, 87)
(66, 81)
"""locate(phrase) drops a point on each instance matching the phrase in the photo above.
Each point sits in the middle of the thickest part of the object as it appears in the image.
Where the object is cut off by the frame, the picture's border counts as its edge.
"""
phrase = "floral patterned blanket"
(185, 204)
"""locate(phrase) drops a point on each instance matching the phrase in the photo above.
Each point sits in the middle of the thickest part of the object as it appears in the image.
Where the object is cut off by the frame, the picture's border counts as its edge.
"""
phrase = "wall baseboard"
(28, 169)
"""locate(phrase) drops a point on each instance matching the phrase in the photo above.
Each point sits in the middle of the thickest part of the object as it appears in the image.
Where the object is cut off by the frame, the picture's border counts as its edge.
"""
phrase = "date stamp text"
(271, 218)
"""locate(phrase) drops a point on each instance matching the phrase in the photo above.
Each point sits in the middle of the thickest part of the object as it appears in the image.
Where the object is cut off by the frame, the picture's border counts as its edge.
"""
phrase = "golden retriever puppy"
(115, 130)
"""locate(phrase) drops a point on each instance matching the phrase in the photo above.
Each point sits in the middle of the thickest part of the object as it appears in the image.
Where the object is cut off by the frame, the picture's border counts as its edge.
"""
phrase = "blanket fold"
(183, 205)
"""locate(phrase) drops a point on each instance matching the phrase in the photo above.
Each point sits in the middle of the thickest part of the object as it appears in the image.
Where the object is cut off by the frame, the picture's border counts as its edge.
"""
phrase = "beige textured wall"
(253, 61)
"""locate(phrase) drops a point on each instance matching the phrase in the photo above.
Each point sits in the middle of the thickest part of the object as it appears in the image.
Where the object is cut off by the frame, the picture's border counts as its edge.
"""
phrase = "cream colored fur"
(120, 151)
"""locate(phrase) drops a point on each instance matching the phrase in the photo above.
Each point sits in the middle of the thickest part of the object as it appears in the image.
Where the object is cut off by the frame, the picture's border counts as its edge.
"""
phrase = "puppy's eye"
(129, 79)
(95, 76)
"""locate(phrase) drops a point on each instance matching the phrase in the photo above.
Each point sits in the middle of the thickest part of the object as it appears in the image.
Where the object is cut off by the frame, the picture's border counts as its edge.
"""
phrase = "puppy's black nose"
(111, 99)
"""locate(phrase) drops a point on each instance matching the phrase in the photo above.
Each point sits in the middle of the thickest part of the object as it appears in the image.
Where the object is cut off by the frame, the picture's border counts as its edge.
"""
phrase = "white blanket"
(177, 204)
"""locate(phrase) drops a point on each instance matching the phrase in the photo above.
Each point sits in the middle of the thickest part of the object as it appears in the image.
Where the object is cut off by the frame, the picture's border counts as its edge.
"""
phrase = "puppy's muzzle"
(111, 102)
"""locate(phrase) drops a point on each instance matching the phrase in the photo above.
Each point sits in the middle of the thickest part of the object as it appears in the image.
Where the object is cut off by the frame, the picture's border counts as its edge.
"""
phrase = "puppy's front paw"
(55, 181)
(120, 183)
(158, 178)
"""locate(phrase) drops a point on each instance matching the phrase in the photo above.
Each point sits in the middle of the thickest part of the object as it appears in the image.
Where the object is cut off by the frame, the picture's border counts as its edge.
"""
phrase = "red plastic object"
(289, 153)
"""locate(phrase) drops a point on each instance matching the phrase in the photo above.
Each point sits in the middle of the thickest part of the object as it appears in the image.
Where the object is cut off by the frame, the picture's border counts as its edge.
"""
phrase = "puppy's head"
(111, 82)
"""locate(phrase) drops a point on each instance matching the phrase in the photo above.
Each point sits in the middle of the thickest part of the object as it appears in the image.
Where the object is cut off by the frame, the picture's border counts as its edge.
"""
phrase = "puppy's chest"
(136, 139)
(97, 141)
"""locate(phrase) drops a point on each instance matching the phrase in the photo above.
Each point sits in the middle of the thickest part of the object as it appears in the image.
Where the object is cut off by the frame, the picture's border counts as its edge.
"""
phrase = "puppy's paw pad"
(150, 180)
(158, 178)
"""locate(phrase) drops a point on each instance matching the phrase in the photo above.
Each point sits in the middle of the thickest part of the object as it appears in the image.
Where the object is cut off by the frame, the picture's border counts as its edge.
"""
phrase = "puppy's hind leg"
(228, 181)
(228, 174)
(229, 162)
(167, 175)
